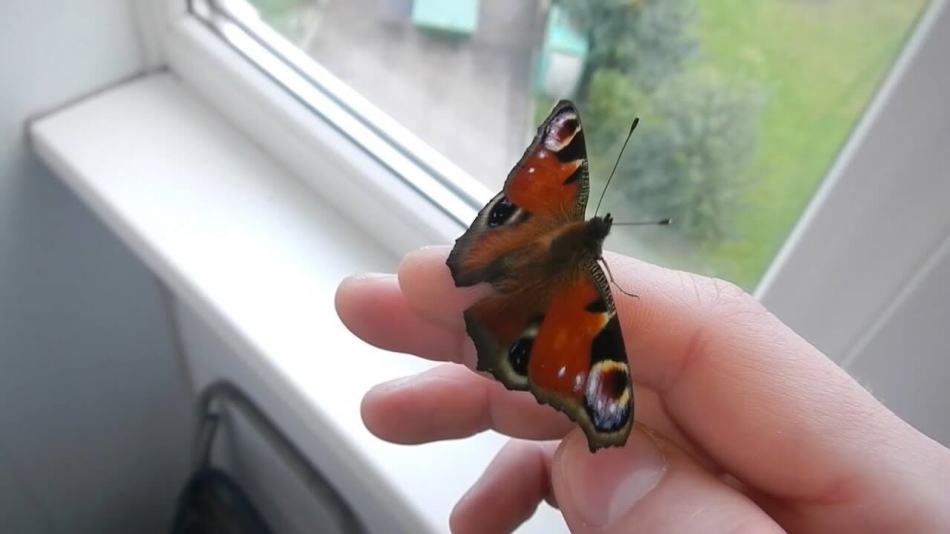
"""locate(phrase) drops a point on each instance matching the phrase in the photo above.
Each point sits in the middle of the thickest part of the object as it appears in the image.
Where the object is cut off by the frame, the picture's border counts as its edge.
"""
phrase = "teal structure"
(560, 39)
(456, 17)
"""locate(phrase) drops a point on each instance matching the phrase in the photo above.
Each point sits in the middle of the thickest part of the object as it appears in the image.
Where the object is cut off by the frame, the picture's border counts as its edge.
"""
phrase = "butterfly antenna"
(661, 222)
(633, 127)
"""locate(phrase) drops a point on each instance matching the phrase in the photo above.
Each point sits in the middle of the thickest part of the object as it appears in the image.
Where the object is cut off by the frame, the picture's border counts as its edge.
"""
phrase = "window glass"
(743, 105)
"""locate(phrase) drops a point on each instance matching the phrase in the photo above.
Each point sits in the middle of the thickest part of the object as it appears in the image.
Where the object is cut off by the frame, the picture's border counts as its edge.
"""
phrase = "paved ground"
(470, 99)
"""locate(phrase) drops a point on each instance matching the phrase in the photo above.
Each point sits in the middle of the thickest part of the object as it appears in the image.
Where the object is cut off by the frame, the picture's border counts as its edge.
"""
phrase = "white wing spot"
(579, 379)
(561, 372)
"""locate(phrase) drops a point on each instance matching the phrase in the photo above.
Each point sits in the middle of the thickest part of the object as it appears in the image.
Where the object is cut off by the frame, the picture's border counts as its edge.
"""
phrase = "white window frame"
(300, 113)
(880, 218)
(876, 222)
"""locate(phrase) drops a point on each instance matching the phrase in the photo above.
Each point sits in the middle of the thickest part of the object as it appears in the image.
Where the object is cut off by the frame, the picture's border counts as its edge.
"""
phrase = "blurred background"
(744, 105)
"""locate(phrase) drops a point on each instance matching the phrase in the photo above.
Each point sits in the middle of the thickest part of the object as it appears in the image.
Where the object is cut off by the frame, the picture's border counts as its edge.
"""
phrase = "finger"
(647, 486)
(508, 492)
(424, 278)
(451, 402)
(374, 308)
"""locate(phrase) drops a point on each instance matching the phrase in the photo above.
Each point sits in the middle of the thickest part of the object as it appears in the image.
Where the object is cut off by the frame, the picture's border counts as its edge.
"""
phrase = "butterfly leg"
(614, 282)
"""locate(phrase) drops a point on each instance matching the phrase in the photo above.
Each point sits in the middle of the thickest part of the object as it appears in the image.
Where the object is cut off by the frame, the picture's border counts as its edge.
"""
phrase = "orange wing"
(549, 328)
(547, 188)
(578, 362)
(564, 344)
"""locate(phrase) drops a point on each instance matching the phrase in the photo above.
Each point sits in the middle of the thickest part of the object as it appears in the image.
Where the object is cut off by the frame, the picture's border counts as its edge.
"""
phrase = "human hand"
(742, 425)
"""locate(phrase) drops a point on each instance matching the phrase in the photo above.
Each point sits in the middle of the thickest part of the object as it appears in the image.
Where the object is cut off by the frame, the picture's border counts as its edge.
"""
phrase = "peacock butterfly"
(550, 326)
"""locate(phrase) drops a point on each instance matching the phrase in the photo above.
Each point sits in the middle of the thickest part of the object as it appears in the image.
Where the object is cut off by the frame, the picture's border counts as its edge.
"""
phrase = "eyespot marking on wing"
(597, 306)
(561, 130)
(607, 395)
(518, 355)
(501, 212)
(565, 137)
(504, 212)
(519, 352)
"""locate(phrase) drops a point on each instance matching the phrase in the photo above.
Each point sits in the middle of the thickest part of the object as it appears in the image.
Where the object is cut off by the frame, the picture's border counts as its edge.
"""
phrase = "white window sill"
(258, 255)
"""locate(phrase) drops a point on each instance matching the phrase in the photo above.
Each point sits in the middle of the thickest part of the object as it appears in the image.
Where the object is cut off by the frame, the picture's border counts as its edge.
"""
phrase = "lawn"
(819, 63)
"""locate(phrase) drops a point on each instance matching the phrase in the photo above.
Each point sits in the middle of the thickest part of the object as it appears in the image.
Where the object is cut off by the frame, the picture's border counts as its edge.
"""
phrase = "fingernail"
(424, 253)
(430, 248)
(606, 484)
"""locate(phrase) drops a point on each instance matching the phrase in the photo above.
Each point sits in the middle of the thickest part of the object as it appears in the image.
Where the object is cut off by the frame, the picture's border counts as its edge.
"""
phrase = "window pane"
(743, 105)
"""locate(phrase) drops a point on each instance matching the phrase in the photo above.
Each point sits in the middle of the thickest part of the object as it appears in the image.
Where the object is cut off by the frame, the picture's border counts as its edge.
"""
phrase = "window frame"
(237, 27)
(853, 284)
(866, 240)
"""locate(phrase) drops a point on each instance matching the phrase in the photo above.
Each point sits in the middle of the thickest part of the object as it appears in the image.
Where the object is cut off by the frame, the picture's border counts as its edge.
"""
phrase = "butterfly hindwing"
(578, 361)
(566, 347)
(503, 329)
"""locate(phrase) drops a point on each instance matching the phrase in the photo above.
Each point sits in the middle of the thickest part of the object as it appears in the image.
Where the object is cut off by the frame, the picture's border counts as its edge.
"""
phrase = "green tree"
(648, 40)
(611, 104)
(696, 135)
(697, 130)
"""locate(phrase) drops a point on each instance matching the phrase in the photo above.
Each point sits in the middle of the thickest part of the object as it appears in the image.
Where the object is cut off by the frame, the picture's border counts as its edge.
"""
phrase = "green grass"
(284, 16)
(819, 63)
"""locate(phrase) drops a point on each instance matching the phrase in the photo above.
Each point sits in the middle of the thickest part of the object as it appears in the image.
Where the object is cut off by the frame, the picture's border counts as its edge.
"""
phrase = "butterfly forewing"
(551, 179)
(548, 187)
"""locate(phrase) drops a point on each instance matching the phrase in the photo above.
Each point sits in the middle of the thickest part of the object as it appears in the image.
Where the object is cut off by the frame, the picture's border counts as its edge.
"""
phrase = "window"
(744, 106)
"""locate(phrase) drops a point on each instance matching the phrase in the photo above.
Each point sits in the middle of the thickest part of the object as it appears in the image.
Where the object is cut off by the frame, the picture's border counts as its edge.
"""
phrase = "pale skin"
(743, 426)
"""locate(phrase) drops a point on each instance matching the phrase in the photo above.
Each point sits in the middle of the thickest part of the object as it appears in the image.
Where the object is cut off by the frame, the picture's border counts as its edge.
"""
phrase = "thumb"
(649, 485)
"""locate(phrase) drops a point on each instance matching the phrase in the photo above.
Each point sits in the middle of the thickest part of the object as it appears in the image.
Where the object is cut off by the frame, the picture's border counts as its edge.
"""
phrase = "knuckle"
(728, 300)
(726, 293)
(721, 305)
(717, 295)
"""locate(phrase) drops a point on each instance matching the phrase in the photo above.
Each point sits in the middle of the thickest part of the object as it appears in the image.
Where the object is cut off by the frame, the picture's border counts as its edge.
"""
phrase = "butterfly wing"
(547, 188)
(547, 329)
(578, 361)
(565, 345)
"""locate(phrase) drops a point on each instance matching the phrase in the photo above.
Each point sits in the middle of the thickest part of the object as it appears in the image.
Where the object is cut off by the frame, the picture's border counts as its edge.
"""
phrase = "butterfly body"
(578, 240)
(550, 327)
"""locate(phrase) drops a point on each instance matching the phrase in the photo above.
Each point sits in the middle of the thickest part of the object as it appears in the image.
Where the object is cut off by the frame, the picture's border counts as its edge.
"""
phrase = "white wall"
(94, 408)
(906, 364)
(866, 274)
(281, 495)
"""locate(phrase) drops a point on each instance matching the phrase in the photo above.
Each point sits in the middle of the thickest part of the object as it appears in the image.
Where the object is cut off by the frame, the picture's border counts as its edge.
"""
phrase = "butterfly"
(550, 326)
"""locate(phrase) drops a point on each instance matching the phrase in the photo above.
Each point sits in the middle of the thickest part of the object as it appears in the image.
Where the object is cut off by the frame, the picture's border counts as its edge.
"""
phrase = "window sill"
(257, 254)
